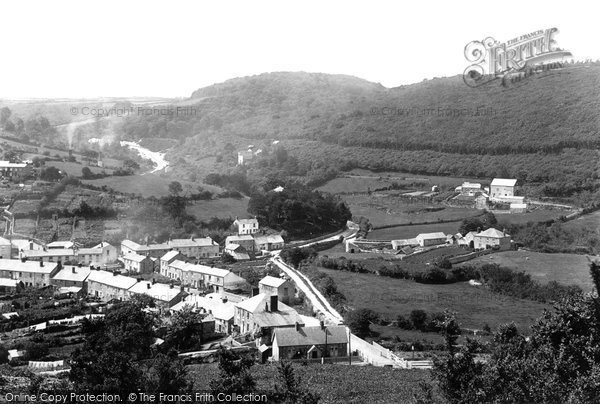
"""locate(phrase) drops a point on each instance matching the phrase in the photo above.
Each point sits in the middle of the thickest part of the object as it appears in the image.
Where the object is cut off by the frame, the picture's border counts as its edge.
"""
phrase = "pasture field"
(537, 215)
(383, 209)
(567, 269)
(474, 305)
(401, 232)
(334, 383)
(442, 181)
(219, 207)
(586, 223)
(74, 169)
(354, 184)
(146, 185)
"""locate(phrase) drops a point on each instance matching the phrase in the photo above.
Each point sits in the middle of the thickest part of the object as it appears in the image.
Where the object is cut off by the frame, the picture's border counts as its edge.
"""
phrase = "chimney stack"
(114, 272)
(41, 262)
(153, 281)
(322, 324)
(297, 326)
(171, 285)
(148, 285)
(74, 270)
(273, 300)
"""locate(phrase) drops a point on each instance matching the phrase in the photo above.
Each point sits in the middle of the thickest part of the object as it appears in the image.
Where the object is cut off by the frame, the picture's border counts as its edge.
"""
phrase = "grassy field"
(353, 184)
(442, 181)
(475, 306)
(394, 233)
(74, 169)
(334, 383)
(220, 207)
(564, 268)
(589, 222)
(538, 215)
(146, 185)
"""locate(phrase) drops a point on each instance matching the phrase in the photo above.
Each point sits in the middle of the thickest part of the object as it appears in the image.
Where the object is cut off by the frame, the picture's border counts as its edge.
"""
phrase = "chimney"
(41, 263)
(182, 288)
(273, 300)
(73, 269)
(171, 285)
(80, 265)
(504, 232)
(297, 326)
(322, 324)
(114, 272)
(148, 285)
(153, 281)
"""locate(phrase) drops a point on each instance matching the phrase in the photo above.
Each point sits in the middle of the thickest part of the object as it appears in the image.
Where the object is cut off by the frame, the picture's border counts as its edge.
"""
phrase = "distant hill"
(510, 127)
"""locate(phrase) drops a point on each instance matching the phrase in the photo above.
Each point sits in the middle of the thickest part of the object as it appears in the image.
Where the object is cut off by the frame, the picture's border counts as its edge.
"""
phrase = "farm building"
(492, 238)
(237, 252)
(409, 242)
(431, 239)
(502, 188)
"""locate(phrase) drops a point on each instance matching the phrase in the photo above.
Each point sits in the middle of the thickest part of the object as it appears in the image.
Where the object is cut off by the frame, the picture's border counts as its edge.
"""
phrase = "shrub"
(418, 319)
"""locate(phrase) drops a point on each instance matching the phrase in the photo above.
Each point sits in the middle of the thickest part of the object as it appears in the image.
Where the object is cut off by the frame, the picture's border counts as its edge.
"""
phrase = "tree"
(185, 330)
(418, 318)
(165, 374)
(226, 258)
(558, 362)
(234, 373)
(175, 188)
(359, 321)
(86, 173)
(289, 388)
(3, 354)
(108, 361)
(469, 225)
(50, 174)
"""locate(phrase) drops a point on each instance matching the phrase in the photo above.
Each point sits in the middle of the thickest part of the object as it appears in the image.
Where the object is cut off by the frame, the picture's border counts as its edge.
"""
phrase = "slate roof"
(308, 336)
(491, 232)
(272, 281)
(504, 182)
(27, 266)
(107, 278)
(66, 274)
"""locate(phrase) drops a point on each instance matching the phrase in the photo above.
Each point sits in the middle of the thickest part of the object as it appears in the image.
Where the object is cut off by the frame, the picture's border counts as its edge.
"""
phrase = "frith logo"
(514, 59)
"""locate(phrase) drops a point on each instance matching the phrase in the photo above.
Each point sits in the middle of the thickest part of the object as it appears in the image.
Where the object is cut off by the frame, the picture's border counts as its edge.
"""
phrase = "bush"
(403, 322)
(418, 319)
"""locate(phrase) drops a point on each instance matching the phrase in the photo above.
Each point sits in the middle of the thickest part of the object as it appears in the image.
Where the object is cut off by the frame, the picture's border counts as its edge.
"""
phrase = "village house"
(217, 279)
(246, 226)
(245, 240)
(310, 342)
(261, 314)
(431, 239)
(195, 247)
(72, 277)
(138, 263)
(153, 250)
(60, 245)
(280, 287)
(268, 242)
(109, 285)
(18, 245)
(13, 170)
(164, 295)
(219, 307)
(175, 269)
(492, 238)
(31, 273)
(10, 286)
(237, 252)
(169, 258)
(469, 188)
(101, 254)
(51, 255)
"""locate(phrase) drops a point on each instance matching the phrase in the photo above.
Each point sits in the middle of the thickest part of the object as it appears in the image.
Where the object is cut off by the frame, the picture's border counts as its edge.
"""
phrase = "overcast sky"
(171, 48)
